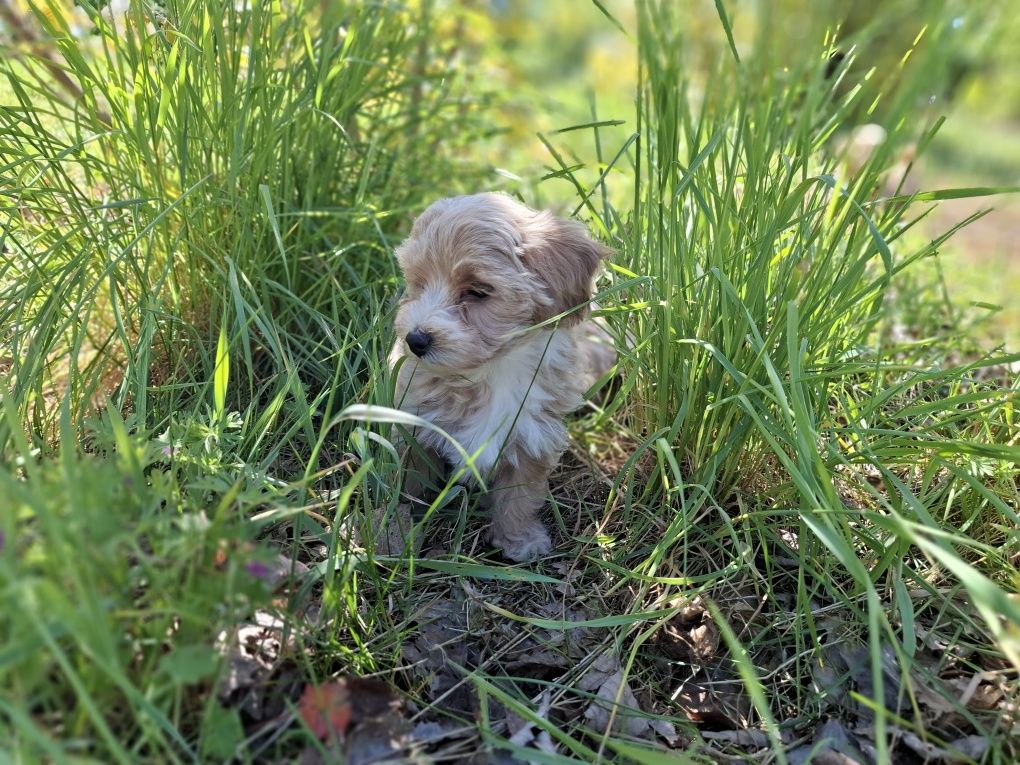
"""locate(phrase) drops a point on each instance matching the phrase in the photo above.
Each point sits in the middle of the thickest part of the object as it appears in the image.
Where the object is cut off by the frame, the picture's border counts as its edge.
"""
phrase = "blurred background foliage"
(315, 169)
(528, 69)
(558, 64)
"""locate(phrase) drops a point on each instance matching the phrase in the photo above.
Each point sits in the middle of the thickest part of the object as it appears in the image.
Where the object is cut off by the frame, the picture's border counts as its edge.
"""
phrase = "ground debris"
(465, 641)
(831, 746)
(259, 678)
(394, 530)
(441, 651)
(962, 750)
(748, 737)
(690, 635)
(466, 630)
(359, 721)
(522, 732)
(615, 703)
(714, 699)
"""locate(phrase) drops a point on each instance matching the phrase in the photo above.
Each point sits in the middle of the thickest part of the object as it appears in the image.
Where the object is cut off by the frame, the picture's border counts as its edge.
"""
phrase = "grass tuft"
(797, 511)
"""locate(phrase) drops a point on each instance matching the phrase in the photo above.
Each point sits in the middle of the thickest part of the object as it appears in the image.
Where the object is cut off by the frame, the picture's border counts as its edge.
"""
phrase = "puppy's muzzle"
(418, 341)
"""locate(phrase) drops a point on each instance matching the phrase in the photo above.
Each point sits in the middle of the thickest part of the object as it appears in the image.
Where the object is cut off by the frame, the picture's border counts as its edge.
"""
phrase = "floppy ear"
(564, 258)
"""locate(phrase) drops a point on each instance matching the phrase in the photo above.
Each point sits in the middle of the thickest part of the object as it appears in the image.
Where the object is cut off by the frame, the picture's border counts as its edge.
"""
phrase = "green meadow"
(791, 535)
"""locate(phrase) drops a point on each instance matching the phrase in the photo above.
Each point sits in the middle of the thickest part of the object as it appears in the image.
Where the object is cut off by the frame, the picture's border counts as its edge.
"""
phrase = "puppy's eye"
(476, 292)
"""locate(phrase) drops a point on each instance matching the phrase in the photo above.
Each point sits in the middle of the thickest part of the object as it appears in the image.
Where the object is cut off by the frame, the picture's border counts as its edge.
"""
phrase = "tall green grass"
(763, 281)
(234, 162)
(115, 584)
(196, 276)
(195, 282)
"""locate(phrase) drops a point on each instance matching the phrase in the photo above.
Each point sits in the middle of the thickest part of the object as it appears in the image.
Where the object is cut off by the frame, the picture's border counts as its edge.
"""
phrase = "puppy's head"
(481, 268)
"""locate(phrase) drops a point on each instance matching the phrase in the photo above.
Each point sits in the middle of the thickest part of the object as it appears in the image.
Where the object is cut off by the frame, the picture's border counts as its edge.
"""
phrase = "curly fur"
(501, 293)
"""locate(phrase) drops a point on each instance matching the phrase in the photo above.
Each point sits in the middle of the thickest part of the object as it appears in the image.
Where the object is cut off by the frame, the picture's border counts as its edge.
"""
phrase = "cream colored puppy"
(482, 272)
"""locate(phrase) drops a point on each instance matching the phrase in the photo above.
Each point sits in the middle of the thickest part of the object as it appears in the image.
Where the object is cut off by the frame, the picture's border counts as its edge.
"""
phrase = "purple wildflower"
(259, 570)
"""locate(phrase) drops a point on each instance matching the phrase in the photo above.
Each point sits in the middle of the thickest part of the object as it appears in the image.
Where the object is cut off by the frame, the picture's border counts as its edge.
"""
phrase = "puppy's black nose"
(419, 342)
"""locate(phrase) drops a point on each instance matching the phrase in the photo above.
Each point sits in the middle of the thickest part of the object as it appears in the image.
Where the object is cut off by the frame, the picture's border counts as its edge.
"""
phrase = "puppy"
(491, 333)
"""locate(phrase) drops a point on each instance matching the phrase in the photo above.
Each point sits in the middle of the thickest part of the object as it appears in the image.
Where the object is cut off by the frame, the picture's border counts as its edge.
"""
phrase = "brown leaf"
(976, 693)
(326, 709)
(606, 678)
(709, 702)
(690, 635)
(362, 713)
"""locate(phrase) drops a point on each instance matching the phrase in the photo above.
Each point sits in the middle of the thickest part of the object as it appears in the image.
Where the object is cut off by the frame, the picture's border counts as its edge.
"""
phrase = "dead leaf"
(747, 737)
(534, 661)
(256, 679)
(521, 732)
(977, 692)
(279, 571)
(379, 739)
(714, 698)
(440, 649)
(691, 635)
(370, 698)
(567, 573)
(970, 747)
(606, 677)
(544, 743)
(603, 667)
(361, 715)
(326, 709)
(615, 692)
(431, 732)
(973, 747)
(665, 729)
(831, 746)
(824, 756)
(830, 673)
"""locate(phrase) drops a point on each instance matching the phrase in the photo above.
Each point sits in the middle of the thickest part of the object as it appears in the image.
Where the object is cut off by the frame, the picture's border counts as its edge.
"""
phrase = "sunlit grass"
(197, 284)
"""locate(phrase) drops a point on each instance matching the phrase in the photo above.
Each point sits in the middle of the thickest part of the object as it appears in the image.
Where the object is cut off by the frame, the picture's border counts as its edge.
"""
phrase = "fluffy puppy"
(490, 331)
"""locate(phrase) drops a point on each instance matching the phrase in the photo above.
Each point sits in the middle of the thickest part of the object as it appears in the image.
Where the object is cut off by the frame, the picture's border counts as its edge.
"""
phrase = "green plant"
(222, 158)
(808, 454)
(116, 583)
(762, 278)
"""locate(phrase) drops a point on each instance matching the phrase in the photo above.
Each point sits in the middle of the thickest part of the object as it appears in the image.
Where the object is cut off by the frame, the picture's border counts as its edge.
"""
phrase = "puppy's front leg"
(515, 497)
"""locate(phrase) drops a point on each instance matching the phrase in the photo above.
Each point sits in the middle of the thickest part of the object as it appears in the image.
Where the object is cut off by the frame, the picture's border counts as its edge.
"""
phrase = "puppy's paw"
(526, 542)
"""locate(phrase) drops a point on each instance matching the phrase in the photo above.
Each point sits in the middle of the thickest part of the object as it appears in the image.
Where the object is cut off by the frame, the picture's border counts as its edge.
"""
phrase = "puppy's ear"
(564, 258)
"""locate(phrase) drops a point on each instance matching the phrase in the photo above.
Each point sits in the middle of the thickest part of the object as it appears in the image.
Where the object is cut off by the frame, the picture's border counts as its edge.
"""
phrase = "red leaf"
(326, 709)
